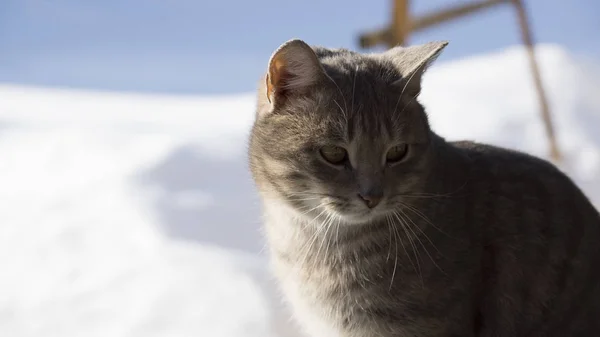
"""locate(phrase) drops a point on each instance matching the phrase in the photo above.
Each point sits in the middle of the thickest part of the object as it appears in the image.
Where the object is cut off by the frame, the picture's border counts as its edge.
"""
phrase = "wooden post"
(546, 117)
(402, 25)
(459, 11)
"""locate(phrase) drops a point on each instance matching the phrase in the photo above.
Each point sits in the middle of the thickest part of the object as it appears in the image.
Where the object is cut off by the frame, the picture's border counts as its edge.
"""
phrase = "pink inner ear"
(269, 87)
(293, 68)
(275, 77)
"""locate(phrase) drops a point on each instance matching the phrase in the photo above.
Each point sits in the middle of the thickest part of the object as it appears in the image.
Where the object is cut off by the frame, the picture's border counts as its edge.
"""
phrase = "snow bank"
(133, 215)
(491, 98)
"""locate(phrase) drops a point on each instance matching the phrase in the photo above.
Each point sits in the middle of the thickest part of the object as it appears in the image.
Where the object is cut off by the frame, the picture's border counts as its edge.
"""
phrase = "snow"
(135, 215)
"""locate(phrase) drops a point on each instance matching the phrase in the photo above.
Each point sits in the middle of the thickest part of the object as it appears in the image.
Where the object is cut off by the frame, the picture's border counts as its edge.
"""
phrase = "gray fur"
(469, 239)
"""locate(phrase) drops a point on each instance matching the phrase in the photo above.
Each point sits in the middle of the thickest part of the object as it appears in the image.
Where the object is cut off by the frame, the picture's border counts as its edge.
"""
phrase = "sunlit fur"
(360, 108)
(468, 240)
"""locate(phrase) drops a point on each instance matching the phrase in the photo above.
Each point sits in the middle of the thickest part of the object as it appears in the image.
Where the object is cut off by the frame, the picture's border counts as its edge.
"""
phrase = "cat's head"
(341, 133)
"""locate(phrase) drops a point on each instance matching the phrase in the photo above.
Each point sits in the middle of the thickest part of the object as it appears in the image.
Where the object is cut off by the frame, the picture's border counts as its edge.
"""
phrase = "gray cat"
(377, 226)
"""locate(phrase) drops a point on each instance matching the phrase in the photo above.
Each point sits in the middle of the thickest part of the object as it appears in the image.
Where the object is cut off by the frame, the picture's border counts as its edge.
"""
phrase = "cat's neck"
(284, 226)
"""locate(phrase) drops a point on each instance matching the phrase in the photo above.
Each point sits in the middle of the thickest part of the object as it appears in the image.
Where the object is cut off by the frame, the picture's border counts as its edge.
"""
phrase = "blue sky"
(185, 46)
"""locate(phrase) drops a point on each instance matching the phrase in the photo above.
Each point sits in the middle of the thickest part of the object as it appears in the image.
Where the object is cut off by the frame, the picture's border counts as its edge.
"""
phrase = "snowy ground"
(132, 215)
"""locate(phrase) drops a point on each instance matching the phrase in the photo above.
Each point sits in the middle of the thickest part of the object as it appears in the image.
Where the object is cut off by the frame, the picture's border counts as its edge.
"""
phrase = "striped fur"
(469, 240)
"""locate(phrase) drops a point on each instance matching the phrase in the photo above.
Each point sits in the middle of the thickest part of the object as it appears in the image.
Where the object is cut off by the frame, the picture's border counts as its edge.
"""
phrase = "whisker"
(303, 199)
(406, 229)
(353, 86)
(308, 224)
(342, 110)
(402, 242)
(341, 94)
(305, 250)
(337, 236)
(408, 103)
(324, 204)
(325, 236)
(422, 216)
(421, 242)
(390, 225)
(306, 194)
(326, 225)
(387, 220)
(434, 195)
(406, 85)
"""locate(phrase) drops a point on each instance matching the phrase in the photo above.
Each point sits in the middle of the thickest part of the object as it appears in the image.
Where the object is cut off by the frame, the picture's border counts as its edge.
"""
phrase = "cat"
(378, 226)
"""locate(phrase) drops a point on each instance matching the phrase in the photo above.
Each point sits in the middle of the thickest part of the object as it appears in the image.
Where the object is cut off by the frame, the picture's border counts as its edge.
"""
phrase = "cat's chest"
(316, 315)
(325, 307)
(307, 286)
(325, 300)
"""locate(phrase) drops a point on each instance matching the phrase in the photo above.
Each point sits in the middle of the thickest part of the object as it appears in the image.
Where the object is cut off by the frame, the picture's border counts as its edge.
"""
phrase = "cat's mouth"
(356, 214)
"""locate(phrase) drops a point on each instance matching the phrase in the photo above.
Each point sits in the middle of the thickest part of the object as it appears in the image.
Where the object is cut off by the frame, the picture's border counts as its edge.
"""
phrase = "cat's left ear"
(293, 69)
(412, 62)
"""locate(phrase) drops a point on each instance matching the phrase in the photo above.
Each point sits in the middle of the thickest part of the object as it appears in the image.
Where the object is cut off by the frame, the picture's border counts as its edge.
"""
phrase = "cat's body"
(468, 239)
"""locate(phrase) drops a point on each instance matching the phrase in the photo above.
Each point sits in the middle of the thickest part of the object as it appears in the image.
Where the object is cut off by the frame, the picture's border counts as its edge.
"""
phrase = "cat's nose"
(371, 199)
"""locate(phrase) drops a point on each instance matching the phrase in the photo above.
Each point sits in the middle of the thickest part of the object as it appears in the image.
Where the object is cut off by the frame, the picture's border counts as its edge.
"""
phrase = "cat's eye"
(334, 154)
(396, 153)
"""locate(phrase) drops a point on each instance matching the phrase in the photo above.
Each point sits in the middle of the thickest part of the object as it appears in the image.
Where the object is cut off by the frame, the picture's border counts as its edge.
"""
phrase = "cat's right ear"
(412, 63)
(293, 69)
